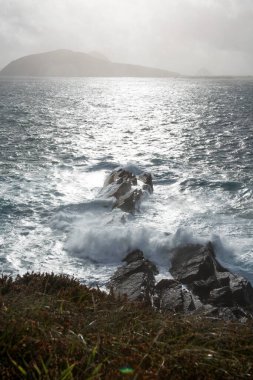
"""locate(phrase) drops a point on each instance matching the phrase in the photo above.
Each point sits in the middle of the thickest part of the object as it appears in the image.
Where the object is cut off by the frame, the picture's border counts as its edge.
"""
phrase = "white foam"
(107, 240)
(230, 253)
(133, 168)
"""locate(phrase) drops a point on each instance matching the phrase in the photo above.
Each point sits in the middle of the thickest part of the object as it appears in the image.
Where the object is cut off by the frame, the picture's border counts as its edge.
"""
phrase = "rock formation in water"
(127, 189)
(201, 285)
(68, 63)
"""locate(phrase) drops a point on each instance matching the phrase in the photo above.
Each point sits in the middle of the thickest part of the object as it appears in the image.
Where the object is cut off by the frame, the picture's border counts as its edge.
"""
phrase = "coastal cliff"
(53, 327)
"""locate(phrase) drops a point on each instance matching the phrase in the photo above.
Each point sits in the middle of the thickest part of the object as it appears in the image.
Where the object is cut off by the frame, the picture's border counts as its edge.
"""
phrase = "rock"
(197, 267)
(123, 185)
(115, 189)
(136, 279)
(134, 256)
(130, 201)
(202, 288)
(122, 189)
(146, 178)
(172, 297)
(226, 313)
(119, 176)
(202, 285)
(194, 262)
(221, 297)
(242, 291)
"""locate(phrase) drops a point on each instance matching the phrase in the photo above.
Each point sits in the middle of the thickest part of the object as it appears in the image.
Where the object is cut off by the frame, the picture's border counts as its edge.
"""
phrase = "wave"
(198, 182)
(107, 243)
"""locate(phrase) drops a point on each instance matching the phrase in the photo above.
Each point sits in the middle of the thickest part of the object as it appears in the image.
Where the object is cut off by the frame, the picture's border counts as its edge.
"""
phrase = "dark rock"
(165, 284)
(123, 185)
(207, 310)
(242, 291)
(119, 176)
(197, 267)
(122, 189)
(193, 262)
(203, 287)
(134, 256)
(146, 178)
(173, 297)
(212, 291)
(221, 297)
(136, 279)
(240, 314)
(233, 314)
(116, 189)
(225, 313)
(130, 201)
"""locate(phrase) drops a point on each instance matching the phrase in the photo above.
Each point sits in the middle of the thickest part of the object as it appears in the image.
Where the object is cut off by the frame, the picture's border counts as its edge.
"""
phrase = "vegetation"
(52, 327)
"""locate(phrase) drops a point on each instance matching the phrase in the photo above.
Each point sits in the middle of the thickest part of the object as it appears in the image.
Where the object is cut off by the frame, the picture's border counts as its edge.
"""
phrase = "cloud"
(180, 35)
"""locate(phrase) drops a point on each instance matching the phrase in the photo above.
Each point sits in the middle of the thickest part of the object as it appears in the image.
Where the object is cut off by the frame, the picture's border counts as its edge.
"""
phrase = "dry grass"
(52, 327)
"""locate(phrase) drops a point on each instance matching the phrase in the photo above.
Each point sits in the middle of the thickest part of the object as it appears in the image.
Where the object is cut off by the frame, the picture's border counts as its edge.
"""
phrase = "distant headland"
(67, 63)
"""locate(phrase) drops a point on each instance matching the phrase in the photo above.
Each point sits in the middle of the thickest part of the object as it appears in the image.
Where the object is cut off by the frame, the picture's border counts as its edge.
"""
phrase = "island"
(67, 63)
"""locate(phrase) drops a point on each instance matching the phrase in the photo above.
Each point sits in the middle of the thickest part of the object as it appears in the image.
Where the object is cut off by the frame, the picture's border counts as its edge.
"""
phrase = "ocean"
(60, 137)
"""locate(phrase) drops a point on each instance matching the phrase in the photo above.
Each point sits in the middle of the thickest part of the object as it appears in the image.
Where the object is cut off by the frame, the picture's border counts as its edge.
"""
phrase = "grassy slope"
(51, 327)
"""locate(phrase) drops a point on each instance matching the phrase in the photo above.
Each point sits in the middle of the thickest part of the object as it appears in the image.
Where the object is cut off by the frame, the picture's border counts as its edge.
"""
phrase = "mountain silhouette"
(68, 63)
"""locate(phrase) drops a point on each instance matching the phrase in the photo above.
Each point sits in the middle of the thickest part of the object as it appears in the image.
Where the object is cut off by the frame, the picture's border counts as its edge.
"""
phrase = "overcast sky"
(178, 35)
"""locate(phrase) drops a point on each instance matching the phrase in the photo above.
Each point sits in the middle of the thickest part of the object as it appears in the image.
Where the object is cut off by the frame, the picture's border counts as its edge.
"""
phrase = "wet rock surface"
(201, 285)
(171, 296)
(197, 267)
(127, 188)
(135, 279)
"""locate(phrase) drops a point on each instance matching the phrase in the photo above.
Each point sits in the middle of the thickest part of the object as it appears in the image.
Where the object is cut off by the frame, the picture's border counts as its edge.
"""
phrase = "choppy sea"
(59, 138)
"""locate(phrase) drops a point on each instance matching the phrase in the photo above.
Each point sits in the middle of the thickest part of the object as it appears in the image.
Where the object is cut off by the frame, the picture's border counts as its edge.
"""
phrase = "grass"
(52, 327)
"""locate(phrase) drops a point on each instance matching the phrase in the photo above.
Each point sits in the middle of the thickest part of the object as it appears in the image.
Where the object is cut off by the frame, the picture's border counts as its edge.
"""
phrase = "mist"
(178, 35)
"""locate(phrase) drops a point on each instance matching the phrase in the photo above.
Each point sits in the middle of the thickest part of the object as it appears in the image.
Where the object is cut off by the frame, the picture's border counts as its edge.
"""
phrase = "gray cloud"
(179, 35)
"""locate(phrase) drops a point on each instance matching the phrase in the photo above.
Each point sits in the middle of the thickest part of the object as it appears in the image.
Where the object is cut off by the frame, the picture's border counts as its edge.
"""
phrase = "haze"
(186, 36)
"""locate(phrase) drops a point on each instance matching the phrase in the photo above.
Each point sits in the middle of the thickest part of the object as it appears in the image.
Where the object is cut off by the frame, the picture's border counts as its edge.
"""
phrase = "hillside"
(68, 63)
(52, 327)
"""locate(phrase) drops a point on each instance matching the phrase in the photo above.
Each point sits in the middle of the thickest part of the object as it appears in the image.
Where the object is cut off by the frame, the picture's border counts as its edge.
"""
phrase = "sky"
(178, 35)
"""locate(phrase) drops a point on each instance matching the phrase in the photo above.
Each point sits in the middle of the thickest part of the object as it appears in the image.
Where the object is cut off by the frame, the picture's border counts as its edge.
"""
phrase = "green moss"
(52, 327)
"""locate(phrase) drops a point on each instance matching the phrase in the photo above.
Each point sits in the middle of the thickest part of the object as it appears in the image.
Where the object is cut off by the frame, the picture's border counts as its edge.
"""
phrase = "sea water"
(59, 138)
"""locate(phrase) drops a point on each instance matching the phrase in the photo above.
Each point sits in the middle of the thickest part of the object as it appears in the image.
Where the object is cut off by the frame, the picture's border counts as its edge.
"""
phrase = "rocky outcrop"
(127, 189)
(201, 284)
(171, 296)
(146, 178)
(197, 267)
(136, 279)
